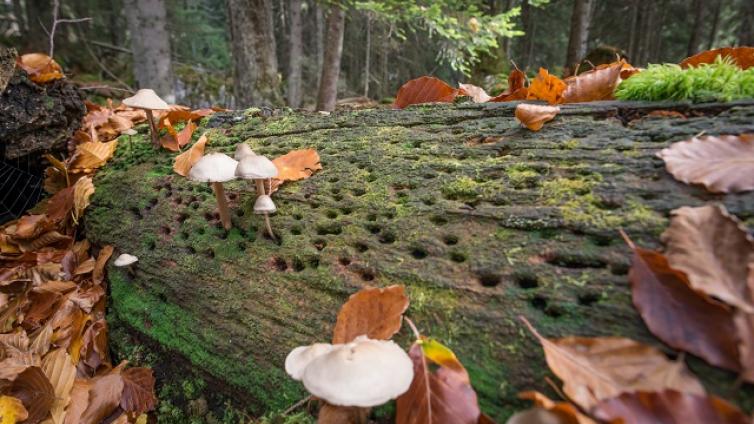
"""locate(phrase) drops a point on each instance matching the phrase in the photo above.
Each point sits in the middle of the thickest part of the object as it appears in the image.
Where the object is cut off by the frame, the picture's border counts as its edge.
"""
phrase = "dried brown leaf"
(565, 412)
(594, 85)
(138, 390)
(723, 164)
(33, 388)
(59, 369)
(187, 159)
(374, 312)
(547, 87)
(40, 67)
(477, 94)
(741, 56)
(534, 117)
(424, 90)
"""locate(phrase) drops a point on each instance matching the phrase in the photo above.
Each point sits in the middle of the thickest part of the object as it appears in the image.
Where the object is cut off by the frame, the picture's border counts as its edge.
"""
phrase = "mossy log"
(482, 220)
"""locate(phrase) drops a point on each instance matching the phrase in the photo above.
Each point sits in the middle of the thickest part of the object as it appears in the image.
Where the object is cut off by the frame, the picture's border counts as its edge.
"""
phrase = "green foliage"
(465, 32)
(719, 81)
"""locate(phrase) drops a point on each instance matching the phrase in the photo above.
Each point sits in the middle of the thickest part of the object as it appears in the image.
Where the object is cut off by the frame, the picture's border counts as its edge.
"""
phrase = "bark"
(255, 69)
(319, 22)
(150, 43)
(368, 56)
(38, 18)
(577, 41)
(695, 39)
(328, 82)
(634, 32)
(295, 55)
(717, 5)
(481, 220)
(527, 41)
(746, 29)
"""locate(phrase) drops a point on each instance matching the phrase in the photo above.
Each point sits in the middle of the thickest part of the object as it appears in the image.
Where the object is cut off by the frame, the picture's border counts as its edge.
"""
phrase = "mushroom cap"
(264, 204)
(243, 150)
(125, 259)
(146, 99)
(300, 357)
(256, 168)
(214, 168)
(362, 373)
(130, 131)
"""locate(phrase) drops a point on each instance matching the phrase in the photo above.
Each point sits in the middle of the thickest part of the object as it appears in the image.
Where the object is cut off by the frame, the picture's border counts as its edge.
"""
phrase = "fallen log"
(481, 219)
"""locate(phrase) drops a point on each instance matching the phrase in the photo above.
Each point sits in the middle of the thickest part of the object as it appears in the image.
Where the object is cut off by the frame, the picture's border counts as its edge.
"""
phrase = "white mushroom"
(300, 357)
(362, 373)
(147, 100)
(243, 150)
(216, 168)
(257, 168)
(125, 259)
(265, 206)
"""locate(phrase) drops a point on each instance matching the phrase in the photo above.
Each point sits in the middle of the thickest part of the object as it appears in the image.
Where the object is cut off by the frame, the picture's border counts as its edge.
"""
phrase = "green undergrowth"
(719, 81)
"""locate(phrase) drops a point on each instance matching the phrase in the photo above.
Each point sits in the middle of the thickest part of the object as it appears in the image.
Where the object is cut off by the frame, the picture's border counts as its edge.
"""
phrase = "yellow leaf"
(187, 159)
(439, 353)
(82, 191)
(12, 410)
(40, 67)
(92, 155)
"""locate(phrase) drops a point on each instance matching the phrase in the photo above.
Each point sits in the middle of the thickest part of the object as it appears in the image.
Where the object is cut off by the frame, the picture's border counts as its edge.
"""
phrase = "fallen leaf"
(12, 410)
(516, 88)
(33, 388)
(680, 316)
(60, 205)
(565, 412)
(175, 140)
(424, 90)
(40, 67)
(79, 401)
(59, 369)
(722, 164)
(98, 273)
(596, 84)
(536, 415)
(534, 117)
(715, 250)
(741, 56)
(668, 407)
(332, 414)
(138, 390)
(374, 312)
(187, 159)
(92, 155)
(547, 87)
(82, 191)
(31, 226)
(94, 352)
(477, 94)
(599, 368)
(444, 395)
(297, 165)
(104, 397)
(744, 323)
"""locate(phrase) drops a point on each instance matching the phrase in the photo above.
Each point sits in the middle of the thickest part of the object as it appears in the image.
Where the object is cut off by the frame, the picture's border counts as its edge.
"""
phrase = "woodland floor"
(481, 219)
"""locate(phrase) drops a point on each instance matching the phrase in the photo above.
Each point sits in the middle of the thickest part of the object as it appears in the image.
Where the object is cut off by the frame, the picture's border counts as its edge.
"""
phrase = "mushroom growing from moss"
(265, 206)
(126, 260)
(243, 150)
(362, 373)
(147, 100)
(216, 168)
(257, 168)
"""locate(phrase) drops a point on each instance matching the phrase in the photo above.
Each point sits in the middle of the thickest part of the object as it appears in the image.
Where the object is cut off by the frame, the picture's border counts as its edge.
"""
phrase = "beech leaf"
(547, 87)
(82, 191)
(715, 250)
(596, 84)
(477, 94)
(40, 67)
(12, 410)
(187, 159)
(534, 117)
(59, 369)
(33, 388)
(563, 412)
(92, 155)
(374, 312)
(669, 407)
(295, 165)
(595, 369)
(516, 88)
(722, 164)
(741, 56)
(424, 90)
(138, 390)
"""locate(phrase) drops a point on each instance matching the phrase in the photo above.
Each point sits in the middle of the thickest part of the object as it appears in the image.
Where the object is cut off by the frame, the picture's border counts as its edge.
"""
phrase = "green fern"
(719, 81)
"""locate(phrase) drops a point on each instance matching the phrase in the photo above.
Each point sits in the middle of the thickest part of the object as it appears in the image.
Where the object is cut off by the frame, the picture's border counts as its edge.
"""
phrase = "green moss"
(522, 175)
(577, 203)
(719, 81)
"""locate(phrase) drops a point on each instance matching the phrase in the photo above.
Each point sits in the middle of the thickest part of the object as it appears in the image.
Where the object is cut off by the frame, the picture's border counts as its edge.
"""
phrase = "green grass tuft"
(719, 81)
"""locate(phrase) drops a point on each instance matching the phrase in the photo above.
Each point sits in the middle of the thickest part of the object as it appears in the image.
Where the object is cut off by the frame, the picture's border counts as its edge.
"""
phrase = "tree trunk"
(295, 55)
(633, 35)
(39, 21)
(717, 5)
(150, 43)
(255, 69)
(507, 40)
(319, 36)
(577, 41)
(18, 13)
(328, 82)
(697, 8)
(480, 233)
(527, 41)
(746, 17)
(368, 55)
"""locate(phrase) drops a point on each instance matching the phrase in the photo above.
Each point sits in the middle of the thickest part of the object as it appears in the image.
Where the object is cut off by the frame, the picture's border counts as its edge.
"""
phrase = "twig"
(413, 328)
(103, 67)
(106, 87)
(56, 21)
(297, 405)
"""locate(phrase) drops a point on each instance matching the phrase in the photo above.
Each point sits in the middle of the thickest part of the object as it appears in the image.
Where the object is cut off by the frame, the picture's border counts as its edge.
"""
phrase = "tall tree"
(295, 43)
(577, 41)
(530, 26)
(38, 21)
(716, 6)
(746, 29)
(328, 82)
(255, 66)
(697, 8)
(150, 44)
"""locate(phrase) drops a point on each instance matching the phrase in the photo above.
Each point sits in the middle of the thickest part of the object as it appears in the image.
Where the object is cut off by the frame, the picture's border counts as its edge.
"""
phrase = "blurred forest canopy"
(238, 53)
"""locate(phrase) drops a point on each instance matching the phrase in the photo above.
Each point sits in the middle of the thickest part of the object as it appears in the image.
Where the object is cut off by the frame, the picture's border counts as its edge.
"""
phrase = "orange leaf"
(374, 312)
(516, 89)
(175, 140)
(741, 56)
(92, 155)
(565, 411)
(187, 159)
(424, 90)
(547, 87)
(534, 117)
(597, 84)
(297, 165)
(40, 67)
(477, 94)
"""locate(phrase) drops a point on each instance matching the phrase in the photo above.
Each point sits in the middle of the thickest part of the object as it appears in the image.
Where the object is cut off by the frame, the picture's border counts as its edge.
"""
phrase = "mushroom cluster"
(362, 373)
(217, 168)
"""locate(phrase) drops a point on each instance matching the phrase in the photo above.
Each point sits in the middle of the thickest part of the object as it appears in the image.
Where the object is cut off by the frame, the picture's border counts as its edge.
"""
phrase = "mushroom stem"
(222, 205)
(152, 129)
(260, 187)
(269, 227)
